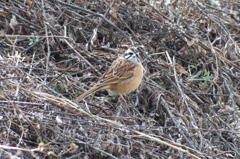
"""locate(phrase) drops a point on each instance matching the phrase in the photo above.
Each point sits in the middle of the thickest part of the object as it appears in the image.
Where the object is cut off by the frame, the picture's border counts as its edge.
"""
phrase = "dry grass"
(186, 107)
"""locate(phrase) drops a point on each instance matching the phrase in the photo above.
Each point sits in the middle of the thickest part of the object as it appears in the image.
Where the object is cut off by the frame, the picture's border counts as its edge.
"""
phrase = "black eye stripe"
(132, 55)
(128, 55)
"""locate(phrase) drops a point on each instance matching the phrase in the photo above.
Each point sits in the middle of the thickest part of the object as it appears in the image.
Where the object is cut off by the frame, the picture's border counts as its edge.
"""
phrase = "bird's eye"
(130, 53)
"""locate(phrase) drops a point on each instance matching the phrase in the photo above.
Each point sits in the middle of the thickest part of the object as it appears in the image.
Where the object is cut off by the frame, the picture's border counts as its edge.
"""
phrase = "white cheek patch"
(131, 55)
(127, 56)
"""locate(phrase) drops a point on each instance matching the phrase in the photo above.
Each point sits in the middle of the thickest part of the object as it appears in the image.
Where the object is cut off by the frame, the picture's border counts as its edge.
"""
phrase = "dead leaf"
(189, 100)
(94, 40)
(13, 23)
(181, 70)
(113, 14)
(4, 14)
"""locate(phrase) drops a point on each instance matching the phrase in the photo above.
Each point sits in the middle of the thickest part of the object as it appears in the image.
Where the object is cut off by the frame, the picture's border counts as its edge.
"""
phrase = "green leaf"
(196, 75)
(206, 72)
(206, 79)
(105, 99)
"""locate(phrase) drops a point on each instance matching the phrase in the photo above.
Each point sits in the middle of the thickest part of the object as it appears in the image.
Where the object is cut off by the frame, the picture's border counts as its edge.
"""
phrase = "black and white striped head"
(132, 55)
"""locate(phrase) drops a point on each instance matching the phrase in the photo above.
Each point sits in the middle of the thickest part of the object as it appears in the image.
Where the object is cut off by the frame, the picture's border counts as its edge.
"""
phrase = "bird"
(123, 76)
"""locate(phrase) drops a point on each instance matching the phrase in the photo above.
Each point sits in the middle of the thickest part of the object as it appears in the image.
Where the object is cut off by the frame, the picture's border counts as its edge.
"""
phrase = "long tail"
(93, 89)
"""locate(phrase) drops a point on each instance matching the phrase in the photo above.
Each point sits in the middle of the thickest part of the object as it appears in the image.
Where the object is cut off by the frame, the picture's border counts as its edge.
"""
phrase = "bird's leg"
(122, 97)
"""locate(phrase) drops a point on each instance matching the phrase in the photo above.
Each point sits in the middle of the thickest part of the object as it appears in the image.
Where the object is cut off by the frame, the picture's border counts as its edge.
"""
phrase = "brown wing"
(119, 70)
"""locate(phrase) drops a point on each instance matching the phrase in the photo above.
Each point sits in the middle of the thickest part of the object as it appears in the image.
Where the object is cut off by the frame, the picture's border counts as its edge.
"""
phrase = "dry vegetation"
(186, 107)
